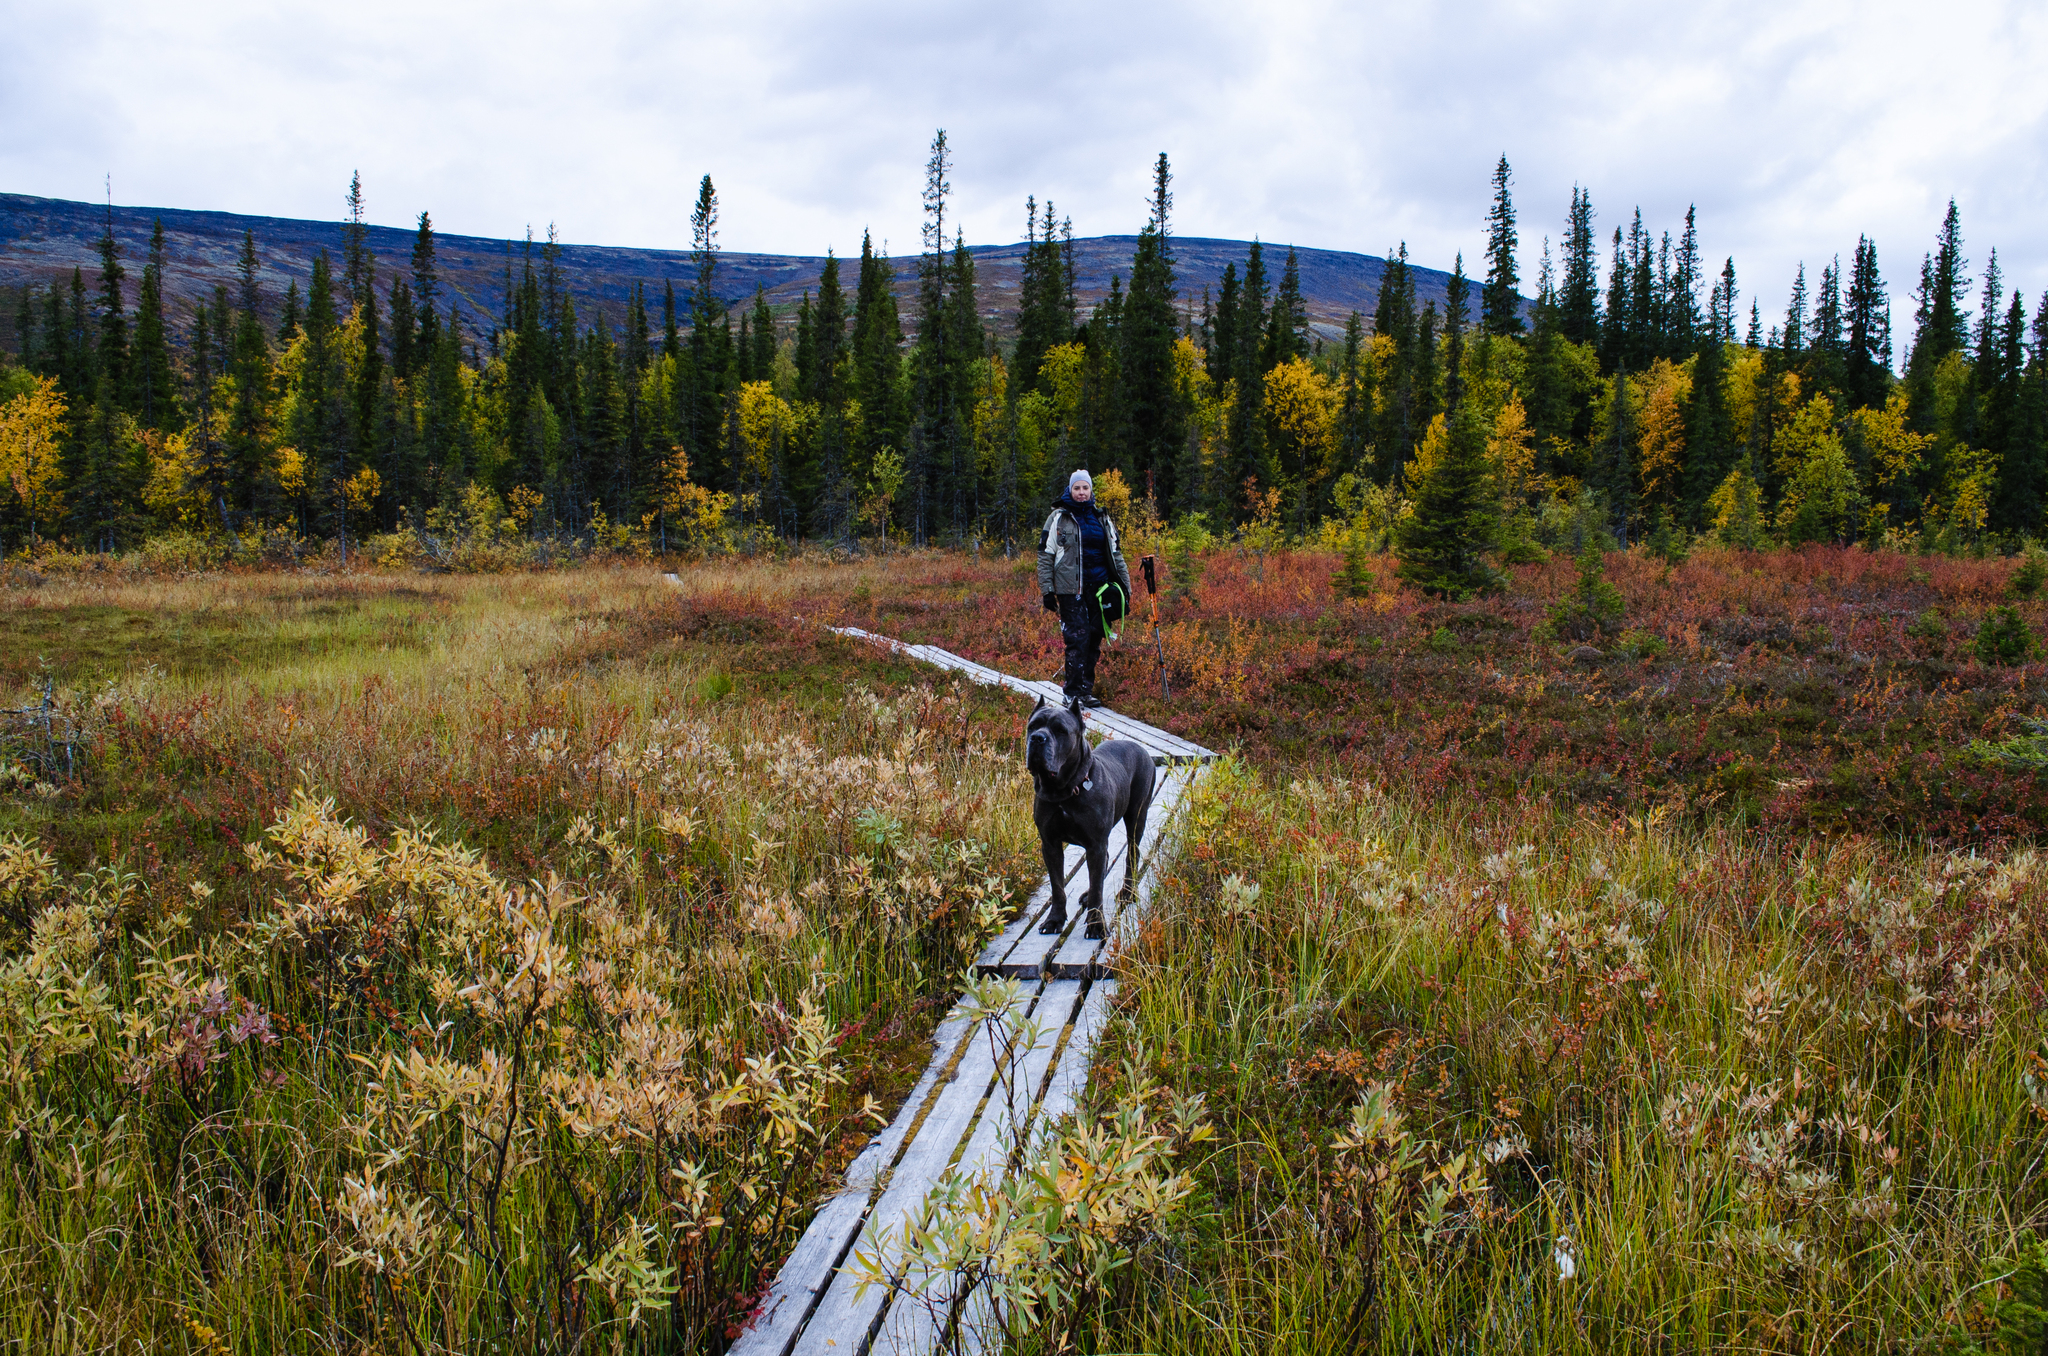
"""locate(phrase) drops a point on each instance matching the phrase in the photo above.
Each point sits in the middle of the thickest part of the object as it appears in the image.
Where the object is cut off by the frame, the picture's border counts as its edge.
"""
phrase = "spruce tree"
(1221, 359)
(966, 347)
(1710, 444)
(1795, 316)
(1724, 297)
(1614, 466)
(1043, 316)
(1618, 321)
(113, 336)
(404, 327)
(1287, 324)
(1442, 544)
(1578, 302)
(1151, 326)
(699, 387)
(1247, 448)
(1683, 307)
(288, 318)
(877, 357)
(321, 415)
(1941, 325)
(828, 338)
(245, 441)
(933, 427)
(155, 398)
(1866, 360)
(1500, 302)
(357, 264)
(764, 336)
(426, 285)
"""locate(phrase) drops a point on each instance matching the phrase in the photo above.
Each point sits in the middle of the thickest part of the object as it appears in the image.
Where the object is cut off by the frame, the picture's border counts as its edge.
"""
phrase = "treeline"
(1630, 396)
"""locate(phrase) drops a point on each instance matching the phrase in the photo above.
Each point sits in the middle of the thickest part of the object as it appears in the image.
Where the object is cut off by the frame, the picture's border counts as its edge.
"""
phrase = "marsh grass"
(1752, 1094)
(441, 963)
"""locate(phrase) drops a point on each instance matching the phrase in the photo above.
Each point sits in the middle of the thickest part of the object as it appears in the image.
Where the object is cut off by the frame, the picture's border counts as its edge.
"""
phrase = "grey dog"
(1082, 793)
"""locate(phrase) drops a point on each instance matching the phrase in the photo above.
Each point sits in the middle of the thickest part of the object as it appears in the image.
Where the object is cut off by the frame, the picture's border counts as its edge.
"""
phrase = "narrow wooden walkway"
(967, 1112)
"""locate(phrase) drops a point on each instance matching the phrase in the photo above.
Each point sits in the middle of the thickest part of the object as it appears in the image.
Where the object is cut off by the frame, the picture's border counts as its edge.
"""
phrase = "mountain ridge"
(43, 239)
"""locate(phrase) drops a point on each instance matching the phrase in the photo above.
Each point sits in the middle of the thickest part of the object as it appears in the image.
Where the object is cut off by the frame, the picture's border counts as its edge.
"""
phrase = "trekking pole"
(1158, 650)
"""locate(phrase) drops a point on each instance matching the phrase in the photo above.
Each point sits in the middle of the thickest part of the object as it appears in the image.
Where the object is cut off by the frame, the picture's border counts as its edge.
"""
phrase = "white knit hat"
(1080, 478)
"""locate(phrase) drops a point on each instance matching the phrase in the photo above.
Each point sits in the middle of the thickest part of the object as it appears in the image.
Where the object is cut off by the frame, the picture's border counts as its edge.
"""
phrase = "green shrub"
(1929, 628)
(1640, 644)
(2005, 638)
(1593, 607)
(1523, 552)
(1354, 580)
(2012, 1316)
(2026, 581)
(1668, 540)
(1443, 640)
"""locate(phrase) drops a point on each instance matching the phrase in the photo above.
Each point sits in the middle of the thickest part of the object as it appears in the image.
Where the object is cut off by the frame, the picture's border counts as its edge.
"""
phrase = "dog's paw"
(1096, 931)
(1054, 923)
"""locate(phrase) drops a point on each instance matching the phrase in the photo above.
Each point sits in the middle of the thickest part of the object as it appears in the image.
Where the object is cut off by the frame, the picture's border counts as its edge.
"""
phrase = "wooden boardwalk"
(968, 1111)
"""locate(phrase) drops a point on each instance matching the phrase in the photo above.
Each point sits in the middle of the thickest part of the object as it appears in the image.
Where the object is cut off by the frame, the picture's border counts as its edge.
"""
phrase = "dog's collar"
(1081, 781)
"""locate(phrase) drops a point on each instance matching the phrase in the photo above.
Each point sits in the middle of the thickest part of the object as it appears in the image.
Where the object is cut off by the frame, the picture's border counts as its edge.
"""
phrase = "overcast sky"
(1792, 125)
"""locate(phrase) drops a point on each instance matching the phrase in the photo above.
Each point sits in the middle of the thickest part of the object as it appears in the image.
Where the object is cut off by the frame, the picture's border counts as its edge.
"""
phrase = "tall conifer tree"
(1500, 301)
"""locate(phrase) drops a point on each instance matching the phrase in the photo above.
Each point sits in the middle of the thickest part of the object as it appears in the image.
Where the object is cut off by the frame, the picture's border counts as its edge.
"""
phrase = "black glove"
(1051, 601)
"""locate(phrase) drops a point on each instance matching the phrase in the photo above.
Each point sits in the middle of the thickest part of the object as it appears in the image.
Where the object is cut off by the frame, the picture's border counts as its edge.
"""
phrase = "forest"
(1632, 397)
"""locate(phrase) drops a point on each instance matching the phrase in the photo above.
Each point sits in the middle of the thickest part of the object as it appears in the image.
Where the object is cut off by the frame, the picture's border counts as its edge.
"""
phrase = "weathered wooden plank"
(832, 1230)
(1077, 956)
(1002, 1130)
(841, 1321)
(978, 1330)
(1020, 927)
(1028, 956)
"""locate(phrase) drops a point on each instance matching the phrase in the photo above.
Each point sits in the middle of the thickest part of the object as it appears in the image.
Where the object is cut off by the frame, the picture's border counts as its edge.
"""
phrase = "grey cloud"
(1793, 127)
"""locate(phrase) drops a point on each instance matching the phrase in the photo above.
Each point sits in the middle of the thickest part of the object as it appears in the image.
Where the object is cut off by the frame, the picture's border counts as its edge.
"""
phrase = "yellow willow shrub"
(563, 1115)
(435, 1108)
(1031, 1251)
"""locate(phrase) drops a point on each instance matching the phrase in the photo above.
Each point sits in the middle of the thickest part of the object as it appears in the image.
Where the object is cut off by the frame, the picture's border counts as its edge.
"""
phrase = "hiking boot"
(1093, 702)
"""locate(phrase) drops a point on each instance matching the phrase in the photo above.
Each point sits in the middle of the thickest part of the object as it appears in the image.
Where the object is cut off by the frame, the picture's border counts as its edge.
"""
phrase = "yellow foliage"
(1511, 449)
(1113, 494)
(1301, 408)
(1427, 453)
(173, 491)
(29, 428)
(1190, 374)
(1060, 372)
(360, 490)
(1895, 449)
(291, 472)
(765, 425)
(1661, 428)
(1809, 433)
(698, 513)
(1745, 376)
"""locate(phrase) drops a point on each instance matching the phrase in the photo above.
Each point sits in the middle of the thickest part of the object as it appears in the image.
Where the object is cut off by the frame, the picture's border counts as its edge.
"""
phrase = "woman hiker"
(1077, 559)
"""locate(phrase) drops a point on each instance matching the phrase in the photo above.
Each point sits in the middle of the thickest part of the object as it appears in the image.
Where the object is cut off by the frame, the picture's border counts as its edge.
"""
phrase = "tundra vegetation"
(428, 964)
(1617, 925)
(429, 959)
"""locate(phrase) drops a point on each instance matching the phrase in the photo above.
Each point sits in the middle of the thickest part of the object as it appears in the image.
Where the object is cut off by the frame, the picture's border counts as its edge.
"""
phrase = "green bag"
(1112, 605)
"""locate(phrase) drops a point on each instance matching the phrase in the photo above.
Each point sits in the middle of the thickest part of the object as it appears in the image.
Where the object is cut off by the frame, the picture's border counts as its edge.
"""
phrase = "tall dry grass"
(466, 962)
(1487, 1077)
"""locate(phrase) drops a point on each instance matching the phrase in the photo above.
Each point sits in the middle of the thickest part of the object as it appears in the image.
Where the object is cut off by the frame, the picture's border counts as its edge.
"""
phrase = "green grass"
(1776, 1093)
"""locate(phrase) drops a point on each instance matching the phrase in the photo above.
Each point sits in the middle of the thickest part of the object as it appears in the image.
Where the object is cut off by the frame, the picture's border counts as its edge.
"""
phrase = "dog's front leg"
(1098, 868)
(1054, 849)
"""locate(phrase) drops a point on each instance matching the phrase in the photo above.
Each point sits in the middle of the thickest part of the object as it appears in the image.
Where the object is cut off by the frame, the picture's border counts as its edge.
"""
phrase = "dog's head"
(1055, 742)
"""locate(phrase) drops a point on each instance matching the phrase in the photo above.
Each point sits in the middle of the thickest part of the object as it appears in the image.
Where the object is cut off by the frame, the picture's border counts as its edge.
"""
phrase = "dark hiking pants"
(1081, 630)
